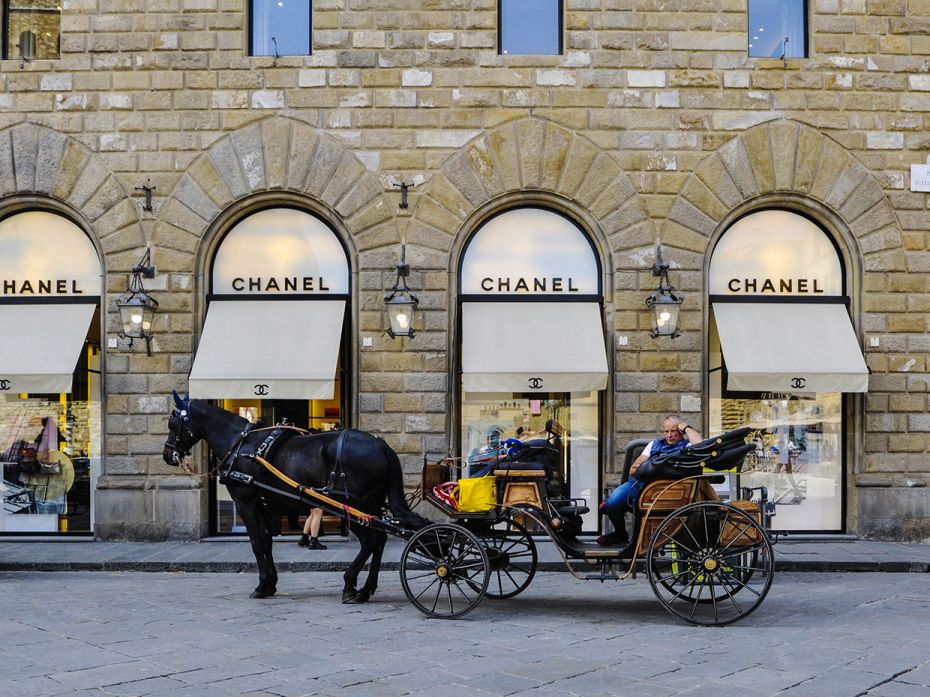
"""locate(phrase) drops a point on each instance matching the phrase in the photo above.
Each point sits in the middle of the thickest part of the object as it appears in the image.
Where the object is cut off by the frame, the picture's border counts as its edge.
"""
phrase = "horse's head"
(181, 437)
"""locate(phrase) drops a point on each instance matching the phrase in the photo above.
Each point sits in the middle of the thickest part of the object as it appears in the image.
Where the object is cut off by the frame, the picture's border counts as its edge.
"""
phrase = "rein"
(363, 518)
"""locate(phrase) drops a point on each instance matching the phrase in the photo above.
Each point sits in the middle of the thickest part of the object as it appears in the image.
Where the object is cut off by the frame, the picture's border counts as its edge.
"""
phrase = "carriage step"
(602, 577)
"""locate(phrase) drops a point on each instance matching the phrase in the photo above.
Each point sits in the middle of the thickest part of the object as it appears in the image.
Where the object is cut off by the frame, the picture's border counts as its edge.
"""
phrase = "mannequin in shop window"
(311, 534)
(677, 435)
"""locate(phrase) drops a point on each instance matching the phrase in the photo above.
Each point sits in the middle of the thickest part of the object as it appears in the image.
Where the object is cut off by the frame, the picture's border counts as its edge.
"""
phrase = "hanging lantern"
(401, 303)
(665, 302)
(137, 308)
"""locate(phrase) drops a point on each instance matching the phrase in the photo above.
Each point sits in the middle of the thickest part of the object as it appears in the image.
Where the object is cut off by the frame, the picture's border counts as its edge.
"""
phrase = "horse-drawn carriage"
(699, 552)
(708, 561)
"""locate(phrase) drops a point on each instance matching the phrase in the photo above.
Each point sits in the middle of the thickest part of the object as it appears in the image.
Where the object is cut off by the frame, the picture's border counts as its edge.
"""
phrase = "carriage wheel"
(444, 571)
(702, 556)
(512, 556)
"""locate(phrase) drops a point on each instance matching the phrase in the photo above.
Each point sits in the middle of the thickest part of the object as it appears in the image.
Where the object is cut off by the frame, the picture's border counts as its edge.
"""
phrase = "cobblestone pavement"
(175, 634)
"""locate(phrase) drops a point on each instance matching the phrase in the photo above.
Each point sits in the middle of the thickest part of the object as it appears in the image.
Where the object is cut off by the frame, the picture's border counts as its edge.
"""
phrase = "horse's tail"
(396, 499)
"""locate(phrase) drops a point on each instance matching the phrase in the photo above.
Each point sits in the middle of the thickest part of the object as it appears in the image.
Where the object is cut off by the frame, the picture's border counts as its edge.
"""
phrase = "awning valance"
(41, 345)
(268, 349)
(533, 347)
(790, 347)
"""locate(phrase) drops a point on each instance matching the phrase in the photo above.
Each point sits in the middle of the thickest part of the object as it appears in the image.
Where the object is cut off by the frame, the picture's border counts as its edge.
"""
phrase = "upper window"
(778, 28)
(31, 29)
(280, 28)
(530, 27)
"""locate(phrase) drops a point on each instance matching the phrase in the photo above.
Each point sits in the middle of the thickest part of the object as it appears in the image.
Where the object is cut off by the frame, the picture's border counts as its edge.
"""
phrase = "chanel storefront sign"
(532, 252)
(44, 255)
(777, 253)
(280, 251)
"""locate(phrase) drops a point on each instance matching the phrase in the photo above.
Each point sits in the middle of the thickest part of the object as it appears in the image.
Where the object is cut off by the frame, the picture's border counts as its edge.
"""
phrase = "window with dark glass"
(31, 29)
(529, 27)
(280, 28)
(778, 28)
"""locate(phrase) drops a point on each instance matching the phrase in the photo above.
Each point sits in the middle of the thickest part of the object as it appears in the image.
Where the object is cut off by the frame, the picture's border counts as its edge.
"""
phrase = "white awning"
(790, 347)
(268, 349)
(533, 347)
(41, 345)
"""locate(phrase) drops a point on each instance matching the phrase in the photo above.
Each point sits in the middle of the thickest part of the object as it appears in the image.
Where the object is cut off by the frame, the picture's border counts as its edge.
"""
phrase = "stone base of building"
(894, 513)
(145, 509)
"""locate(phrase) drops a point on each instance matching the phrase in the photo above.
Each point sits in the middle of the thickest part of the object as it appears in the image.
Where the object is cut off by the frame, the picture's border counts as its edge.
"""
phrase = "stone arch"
(274, 154)
(809, 166)
(528, 156)
(38, 161)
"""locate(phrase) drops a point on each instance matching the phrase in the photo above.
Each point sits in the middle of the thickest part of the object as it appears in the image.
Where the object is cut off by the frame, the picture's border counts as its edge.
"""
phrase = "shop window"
(50, 379)
(532, 349)
(280, 28)
(782, 352)
(778, 28)
(31, 29)
(285, 272)
(529, 27)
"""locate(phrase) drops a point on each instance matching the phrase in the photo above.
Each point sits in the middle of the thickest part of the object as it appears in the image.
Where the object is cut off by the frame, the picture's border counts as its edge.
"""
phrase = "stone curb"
(821, 566)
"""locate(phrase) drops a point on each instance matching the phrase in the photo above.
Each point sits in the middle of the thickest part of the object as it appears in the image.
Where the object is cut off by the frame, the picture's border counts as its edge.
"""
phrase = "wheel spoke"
(434, 581)
(697, 600)
(459, 589)
(676, 542)
(741, 585)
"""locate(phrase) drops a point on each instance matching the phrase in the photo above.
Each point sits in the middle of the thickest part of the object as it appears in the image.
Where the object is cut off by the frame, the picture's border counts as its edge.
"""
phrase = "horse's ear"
(178, 402)
(187, 398)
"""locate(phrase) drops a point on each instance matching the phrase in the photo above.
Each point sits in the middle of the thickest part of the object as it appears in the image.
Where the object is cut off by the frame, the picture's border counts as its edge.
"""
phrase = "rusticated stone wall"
(654, 123)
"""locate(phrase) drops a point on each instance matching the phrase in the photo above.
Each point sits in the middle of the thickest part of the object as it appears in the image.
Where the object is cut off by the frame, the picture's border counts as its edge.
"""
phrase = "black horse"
(371, 470)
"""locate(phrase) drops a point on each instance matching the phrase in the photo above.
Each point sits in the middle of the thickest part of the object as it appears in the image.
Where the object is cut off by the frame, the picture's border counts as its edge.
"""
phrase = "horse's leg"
(254, 521)
(270, 527)
(378, 539)
(351, 575)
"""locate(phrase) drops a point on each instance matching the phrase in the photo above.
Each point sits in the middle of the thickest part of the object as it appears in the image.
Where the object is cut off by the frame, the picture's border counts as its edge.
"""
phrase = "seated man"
(678, 436)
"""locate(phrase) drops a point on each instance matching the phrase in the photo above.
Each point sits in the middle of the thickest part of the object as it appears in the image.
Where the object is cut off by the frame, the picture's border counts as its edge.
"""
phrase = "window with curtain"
(280, 28)
(529, 27)
(31, 29)
(778, 28)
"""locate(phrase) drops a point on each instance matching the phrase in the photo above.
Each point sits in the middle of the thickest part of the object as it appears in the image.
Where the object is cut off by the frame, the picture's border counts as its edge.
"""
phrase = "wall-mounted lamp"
(404, 188)
(137, 308)
(401, 303)
(665, 302)
(148, 189)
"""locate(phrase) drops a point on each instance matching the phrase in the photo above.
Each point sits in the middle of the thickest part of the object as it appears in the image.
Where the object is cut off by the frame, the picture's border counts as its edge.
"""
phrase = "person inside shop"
(311, 533)
(677, 435)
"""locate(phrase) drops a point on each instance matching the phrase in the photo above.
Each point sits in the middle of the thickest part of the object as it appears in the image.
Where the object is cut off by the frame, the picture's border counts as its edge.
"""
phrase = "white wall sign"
(920, 177)
(529, 251)
(280, 251)
(43, 254)
(777, 253)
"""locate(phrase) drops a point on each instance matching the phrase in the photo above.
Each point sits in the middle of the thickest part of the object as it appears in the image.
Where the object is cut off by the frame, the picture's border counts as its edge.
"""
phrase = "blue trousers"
(624, 496)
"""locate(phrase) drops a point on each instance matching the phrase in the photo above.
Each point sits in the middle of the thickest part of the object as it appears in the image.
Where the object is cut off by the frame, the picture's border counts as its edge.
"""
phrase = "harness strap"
(364, 518)
(337, 472)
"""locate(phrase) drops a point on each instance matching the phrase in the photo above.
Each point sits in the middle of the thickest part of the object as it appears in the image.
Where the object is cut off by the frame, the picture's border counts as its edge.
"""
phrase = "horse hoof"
(258, 594)
(349, 597)
(363, 596)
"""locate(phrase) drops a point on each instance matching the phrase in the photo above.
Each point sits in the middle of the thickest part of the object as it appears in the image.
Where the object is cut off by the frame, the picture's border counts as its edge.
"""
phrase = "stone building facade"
(653, 124)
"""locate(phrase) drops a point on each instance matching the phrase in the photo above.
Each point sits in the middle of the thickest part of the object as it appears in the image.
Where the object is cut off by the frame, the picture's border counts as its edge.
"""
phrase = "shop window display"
(488, 419)
(798, 455)
(50, 450)
(314, 414)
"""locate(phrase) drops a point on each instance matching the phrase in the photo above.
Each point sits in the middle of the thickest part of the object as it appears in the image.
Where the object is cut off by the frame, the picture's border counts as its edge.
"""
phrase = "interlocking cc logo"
(5, 384)
(535, 383)
(798, 383)
(261, 390)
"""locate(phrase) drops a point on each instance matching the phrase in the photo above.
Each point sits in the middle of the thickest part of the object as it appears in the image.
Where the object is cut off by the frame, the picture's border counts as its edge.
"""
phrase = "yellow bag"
(477, 495)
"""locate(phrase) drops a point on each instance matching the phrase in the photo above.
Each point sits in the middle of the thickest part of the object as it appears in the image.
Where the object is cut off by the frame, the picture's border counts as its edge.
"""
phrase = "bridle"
(180, 429)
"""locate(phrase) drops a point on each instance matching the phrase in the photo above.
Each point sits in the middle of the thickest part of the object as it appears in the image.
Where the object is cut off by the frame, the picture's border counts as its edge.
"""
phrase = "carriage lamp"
(401, 303)
(137, 308)
(665, 302)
